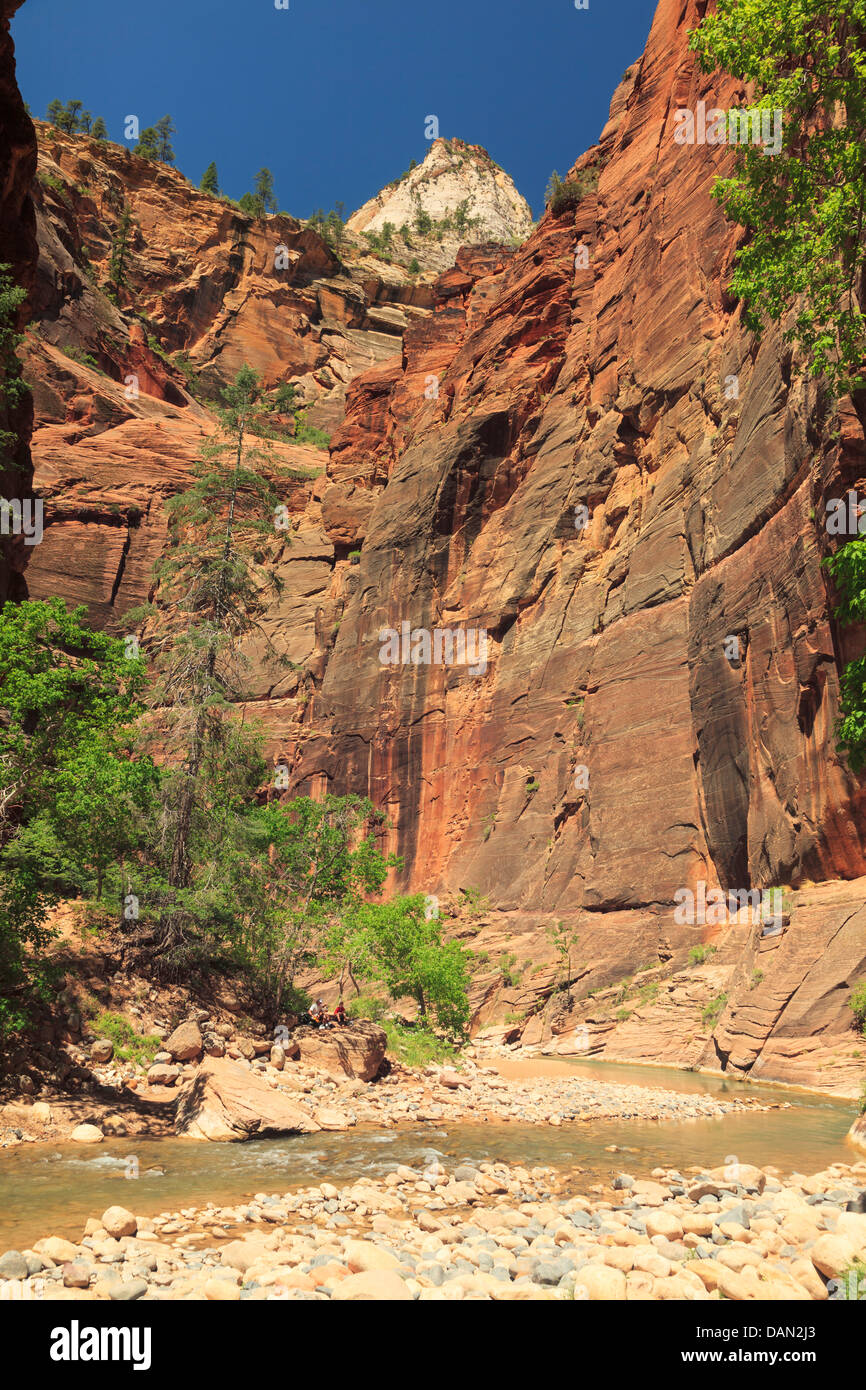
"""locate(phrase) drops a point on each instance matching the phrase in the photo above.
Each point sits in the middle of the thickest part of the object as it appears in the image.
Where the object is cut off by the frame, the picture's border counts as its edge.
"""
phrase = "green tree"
(210, 180)
(12, 386)
(69, 117)
(100, 130)
(407, 953)
(264, 192)
(164, 130)
(848, 568)
(54, 113)
(58, 682)
(117, 277)
(85, 122)
(69, 698)
(316, 861)
(213, 591)
(148, 143)
(805, 206)
(564, 940)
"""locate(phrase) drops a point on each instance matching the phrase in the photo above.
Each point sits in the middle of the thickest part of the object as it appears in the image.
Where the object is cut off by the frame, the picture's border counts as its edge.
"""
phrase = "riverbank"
(488, 1092)
(490, 1231)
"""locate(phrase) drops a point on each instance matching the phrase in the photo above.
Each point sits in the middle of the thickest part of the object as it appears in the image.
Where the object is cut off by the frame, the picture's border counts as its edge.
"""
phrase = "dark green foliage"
(210, 180)
(804, 206)
(74, 119)
(69, 778)
(563, 196)
(155, 141)
(848, 568)
(119, 250)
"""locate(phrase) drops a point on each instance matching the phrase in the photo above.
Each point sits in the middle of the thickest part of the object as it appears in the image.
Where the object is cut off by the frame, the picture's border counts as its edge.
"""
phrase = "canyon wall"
(18, 252)
(661, 688)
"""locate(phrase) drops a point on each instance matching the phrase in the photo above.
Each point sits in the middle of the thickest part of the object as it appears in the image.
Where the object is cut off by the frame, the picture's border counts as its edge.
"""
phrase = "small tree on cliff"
(210, 180)
(100, 129)
(213, 590)
(119, 250)
(165, 129)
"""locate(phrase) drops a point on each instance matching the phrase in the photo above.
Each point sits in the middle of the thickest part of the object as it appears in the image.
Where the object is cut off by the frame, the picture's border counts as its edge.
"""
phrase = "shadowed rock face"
(622, 381)
(18, 251)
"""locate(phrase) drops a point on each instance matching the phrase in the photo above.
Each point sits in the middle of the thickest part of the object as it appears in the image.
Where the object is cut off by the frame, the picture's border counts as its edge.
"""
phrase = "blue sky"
(332, 95)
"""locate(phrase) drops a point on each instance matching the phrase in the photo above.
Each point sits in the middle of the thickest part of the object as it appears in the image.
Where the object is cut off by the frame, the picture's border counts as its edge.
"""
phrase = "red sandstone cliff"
(18, 251)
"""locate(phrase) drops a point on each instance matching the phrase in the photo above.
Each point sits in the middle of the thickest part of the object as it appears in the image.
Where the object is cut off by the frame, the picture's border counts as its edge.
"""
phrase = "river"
(51, 1189)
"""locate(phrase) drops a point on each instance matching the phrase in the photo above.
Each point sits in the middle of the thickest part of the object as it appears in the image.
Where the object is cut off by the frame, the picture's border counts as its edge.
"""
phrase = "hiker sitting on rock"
(339, 1015)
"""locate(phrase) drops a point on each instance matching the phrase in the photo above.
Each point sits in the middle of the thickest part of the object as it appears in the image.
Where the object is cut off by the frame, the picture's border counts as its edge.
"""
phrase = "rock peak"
(458, 195)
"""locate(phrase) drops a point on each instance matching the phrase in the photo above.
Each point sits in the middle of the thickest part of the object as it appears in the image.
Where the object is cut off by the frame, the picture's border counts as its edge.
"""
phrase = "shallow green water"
(52, 1190)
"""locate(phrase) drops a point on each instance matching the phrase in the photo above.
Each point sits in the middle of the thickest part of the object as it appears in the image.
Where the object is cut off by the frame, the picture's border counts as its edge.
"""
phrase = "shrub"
(712, 1012)
(366, 1006)
(129, 1046)
(417, 1046)
(857, 1004)
(563, 195)
(698, 954)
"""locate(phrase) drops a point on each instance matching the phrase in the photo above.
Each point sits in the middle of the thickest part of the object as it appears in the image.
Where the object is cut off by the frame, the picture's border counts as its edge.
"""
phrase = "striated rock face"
(452, 176)
(18, 252)
(612, 751)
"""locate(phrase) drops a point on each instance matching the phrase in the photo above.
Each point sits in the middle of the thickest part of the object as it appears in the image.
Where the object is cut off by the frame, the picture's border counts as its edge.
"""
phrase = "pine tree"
(210, 180)
(165, 129)
(264, 192)
(69, 117)
(54, 112)
(119, 247)
(100, 130)
(85, 122)
(148, 143)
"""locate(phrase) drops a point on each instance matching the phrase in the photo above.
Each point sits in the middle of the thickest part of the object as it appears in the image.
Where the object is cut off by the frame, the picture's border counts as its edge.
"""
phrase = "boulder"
(356, 1050)
(102, 1050)
(185, 1043)
(240, 1254)
(161, 1075)
(118, 1222)
(226, 1102)
(86, 1134)
(600, 1284)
